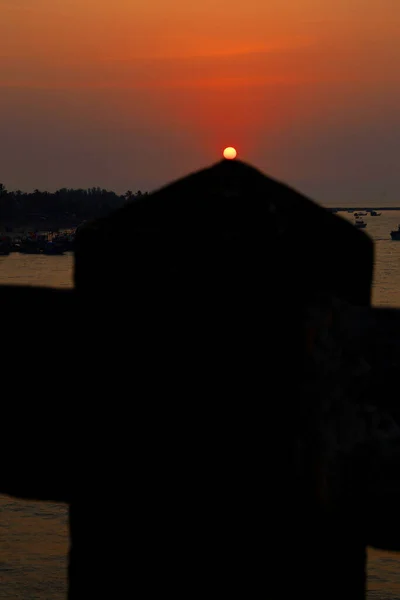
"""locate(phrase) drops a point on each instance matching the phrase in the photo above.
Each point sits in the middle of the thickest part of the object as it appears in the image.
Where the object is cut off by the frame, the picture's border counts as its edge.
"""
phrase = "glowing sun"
(230, 153)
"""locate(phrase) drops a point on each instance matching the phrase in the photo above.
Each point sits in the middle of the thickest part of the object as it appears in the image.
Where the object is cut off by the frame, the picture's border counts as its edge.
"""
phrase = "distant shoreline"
(358, 208)
(20, 227)
(69, 224)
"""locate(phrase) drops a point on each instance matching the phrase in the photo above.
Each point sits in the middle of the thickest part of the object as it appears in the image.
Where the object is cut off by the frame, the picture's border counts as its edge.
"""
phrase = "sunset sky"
(130, 94)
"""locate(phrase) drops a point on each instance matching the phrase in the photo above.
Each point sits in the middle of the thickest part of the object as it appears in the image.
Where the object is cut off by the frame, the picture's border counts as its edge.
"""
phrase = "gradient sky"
(130, 94)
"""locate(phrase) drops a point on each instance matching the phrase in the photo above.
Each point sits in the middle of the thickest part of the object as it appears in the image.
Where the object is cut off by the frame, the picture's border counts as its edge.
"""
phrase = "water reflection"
(37, 269)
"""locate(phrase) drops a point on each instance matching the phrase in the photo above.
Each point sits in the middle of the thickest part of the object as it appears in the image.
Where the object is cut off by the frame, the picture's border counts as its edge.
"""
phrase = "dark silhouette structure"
(210, 417)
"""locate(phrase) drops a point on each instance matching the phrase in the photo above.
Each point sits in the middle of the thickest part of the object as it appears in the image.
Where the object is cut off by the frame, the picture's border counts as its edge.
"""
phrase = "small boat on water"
(5, 246)
(373, 213)
(52, 248)
(395, 235)
(50, 244)
(32, 244)
(359, 223)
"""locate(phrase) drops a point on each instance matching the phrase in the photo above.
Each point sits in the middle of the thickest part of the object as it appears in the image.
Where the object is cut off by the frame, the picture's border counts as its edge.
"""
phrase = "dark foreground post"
(218, 438)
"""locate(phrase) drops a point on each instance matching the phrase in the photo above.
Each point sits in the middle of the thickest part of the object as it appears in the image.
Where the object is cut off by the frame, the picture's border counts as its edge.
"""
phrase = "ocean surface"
(34, 536)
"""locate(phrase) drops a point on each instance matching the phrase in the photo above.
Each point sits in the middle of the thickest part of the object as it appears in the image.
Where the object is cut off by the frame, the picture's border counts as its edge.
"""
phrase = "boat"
(65, 241)
(32, 244)
(5, 245)
(53, 248)
(360, 214)
(359, 223)
(375, 214)
(395, 235)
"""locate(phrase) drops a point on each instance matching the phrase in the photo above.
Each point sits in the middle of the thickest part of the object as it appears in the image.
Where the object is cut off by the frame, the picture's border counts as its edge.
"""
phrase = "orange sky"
(130, 94)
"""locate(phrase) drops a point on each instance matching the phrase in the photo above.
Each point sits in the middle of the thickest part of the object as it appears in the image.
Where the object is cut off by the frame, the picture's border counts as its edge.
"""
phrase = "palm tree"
(128, 195)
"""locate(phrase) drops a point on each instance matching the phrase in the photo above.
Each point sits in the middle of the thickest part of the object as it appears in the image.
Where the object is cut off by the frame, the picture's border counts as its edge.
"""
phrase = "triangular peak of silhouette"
(228, 210)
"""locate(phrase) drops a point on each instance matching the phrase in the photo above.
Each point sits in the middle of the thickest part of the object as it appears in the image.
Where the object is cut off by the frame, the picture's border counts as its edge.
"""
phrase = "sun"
(230, 153)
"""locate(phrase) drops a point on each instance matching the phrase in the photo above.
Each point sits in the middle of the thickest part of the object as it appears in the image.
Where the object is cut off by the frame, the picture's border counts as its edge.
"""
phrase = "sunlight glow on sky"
(131, 95)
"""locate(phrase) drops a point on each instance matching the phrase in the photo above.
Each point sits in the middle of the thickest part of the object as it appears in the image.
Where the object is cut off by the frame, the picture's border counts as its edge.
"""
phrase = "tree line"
(65, 206)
